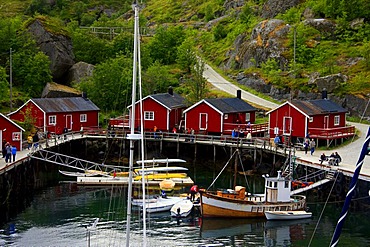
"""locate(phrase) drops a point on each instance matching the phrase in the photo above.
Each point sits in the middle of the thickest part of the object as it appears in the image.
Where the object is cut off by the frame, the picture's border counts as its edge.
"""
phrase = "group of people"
(309, 144)
(333, 159)
(8, 152)
(33, 141)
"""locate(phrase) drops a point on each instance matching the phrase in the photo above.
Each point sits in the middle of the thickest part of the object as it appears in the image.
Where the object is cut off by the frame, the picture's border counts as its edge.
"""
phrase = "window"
(149, 115)
(83, 118)
(52, 120)
(336, 120)
(286, 185)
(226, 116)
(247, 117)
(311, 119)
(16, 136)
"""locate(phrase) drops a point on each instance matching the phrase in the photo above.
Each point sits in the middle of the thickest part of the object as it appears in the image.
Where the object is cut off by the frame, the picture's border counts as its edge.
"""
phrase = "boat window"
(286, 184)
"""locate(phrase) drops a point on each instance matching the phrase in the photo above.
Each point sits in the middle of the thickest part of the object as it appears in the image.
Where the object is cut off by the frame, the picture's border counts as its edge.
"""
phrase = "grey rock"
(273, 7)
(79, 71)
(54, 90)
(325, 27)
(330, 82)
(56, 46)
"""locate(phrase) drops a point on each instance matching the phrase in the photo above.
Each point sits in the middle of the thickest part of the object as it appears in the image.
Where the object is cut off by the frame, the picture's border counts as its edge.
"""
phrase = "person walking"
(312, 146)
(8, 153)
(305, 146)
(14, 152)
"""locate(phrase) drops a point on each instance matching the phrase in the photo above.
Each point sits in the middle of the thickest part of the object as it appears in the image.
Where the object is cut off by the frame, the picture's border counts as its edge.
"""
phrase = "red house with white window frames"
(163, 110)
(321, 119)
(220, 115)
(55, 114)
(10, 132)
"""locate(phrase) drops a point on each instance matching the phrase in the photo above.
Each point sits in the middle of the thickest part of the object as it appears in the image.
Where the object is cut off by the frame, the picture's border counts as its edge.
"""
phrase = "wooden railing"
(332, 133)
(253, 128)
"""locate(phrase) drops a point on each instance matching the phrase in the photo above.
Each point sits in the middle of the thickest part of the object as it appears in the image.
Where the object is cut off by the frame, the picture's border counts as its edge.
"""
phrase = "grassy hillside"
(210, 28)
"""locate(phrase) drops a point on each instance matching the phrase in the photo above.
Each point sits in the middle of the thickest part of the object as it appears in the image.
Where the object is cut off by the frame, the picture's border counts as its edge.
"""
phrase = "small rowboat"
(182, 209)
(287, 215)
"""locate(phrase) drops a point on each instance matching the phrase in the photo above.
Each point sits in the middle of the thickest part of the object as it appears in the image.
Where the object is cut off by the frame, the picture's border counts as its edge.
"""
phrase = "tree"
(4, 87)
(197, 84)
(163, 46)
(186, 56)
(110, 86)
(158, 77)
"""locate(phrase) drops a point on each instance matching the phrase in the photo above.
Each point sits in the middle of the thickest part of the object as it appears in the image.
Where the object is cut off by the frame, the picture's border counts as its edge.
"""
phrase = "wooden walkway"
(349, 153)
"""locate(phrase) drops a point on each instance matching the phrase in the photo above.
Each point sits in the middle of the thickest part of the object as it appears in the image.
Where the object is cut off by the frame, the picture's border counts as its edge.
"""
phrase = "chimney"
(170, 90)
(324, 94)
(155, 91)
(84, 95)
(239, 94)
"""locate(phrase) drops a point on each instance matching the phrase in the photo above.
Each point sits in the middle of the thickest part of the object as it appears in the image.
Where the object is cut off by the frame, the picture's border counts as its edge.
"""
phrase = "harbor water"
(61, 216)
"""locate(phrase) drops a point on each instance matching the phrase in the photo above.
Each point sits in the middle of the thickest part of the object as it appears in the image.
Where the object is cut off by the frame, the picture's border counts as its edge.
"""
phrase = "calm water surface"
(59, 215)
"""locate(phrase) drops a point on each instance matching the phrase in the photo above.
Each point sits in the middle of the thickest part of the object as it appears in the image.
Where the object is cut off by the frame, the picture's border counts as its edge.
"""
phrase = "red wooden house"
(10, 132)
(163, 110)
(55, 114)
(321, 119)
(219, 116)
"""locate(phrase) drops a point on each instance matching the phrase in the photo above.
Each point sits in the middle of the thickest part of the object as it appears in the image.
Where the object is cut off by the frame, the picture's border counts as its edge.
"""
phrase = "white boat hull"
(182, 209)
(287, 215)
(160, 204)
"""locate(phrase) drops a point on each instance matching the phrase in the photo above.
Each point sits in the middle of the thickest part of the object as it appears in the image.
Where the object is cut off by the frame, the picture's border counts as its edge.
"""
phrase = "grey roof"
(171, 101)
(72, 104)
(318, 106)
(231, 105)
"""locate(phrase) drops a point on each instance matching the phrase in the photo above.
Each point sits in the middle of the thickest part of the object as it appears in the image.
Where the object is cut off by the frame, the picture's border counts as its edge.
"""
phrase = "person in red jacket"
(193, 191)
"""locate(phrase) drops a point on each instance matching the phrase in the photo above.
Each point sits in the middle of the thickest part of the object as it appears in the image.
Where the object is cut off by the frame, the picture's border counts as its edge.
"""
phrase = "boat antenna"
(352, 187)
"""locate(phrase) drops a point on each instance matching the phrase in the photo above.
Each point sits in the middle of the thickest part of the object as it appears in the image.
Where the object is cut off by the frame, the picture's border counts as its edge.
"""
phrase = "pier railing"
(332, 133)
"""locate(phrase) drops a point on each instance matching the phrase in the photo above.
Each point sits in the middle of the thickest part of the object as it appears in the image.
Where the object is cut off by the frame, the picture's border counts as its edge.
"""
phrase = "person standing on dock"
(193, 191)
(29, 141)
(14, 152)
(8, 156)
(312, 146)
(305, 146)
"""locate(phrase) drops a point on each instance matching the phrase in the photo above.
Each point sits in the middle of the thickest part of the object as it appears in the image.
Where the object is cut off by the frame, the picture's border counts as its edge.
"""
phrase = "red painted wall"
(277, 120)
(160, 115)
(7, 128)
(319, 120)
(37, 114)
(192, 118)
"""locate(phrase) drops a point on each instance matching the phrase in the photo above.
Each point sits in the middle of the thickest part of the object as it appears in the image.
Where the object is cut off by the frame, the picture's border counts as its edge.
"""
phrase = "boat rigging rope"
(245, 176)
(236, 150)
(323, 209)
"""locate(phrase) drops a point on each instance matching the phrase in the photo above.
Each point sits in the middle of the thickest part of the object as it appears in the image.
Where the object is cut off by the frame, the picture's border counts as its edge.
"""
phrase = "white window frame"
(53, 120)
(83, 118)
(311, 119)
(336, 120)
(149, 115)
(16, 136)
(247, 117)
(226, 116)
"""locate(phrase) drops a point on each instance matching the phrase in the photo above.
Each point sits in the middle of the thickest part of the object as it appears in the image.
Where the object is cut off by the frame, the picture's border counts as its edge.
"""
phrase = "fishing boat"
(287, 215)
(239, 204)
(182, 209)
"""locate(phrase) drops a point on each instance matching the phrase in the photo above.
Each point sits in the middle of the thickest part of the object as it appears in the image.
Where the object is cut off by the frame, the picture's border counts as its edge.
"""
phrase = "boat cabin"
(277, 189)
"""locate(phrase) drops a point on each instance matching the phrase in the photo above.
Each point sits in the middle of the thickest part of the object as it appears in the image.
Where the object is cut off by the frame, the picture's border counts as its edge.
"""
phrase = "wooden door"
(287, 126)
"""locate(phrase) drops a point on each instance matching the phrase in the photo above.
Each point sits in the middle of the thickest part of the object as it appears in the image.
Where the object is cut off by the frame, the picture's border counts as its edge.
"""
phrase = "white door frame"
(200, 121)
(70, 123)
(285, 127)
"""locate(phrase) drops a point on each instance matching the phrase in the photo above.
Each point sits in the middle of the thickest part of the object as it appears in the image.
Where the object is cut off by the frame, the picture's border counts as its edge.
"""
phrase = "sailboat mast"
(132, 128)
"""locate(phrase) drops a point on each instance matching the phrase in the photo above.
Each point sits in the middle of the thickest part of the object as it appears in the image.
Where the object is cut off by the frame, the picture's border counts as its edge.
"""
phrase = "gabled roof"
(69, 104)
(231, 105)
(314, 107)
(171, 101)
(226, 105)
(12, 122)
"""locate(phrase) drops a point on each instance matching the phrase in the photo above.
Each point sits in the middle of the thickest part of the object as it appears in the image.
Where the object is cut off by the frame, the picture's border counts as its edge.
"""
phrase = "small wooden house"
(220, 115)
(10, 132)
(163, 110)
(321, 119)
(55, 114)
